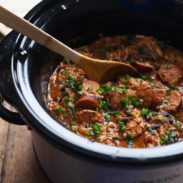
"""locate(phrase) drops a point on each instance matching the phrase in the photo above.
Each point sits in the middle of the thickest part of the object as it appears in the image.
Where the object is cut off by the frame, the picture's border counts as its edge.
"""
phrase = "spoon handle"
(31, 31)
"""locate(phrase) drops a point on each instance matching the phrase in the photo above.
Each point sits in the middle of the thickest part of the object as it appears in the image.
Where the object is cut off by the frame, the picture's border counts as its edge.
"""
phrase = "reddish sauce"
(138, 112)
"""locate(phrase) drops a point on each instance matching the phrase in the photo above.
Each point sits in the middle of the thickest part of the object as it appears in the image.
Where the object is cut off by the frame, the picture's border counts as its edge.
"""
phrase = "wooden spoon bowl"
(98, 70)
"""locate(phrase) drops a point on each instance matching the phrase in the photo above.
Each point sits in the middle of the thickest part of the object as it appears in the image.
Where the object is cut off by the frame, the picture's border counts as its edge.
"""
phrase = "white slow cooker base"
(63, 168)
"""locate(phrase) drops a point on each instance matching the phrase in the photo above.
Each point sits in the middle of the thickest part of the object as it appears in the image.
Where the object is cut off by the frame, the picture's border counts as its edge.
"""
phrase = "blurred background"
(20, 7)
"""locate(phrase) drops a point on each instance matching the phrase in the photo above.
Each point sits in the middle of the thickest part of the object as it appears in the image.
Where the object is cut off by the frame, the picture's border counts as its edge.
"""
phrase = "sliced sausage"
(89, 85)
(173, 102)
(170, 73)
(88, 116)
(87, 102)
(143, 66)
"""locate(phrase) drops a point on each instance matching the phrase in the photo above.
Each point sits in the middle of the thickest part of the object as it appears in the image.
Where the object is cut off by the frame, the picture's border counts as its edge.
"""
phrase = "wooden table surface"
(18, 163)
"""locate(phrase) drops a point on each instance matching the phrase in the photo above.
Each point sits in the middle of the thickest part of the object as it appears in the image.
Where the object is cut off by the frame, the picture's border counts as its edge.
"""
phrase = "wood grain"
(18, 161)
(4, 127)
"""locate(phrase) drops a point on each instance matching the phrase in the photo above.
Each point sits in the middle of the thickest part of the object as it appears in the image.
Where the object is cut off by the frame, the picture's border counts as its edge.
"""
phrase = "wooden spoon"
(96, 69)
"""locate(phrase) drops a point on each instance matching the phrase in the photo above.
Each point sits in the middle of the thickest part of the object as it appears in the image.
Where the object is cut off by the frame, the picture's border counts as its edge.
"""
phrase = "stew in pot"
(132, 111)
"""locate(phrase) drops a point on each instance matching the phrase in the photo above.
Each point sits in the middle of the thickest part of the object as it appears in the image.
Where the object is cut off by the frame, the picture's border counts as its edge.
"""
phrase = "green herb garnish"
(87, 133)
(124, 101)
(96, 129)
(61, 110)
(144, 112)
(122, 126)
(105, 88)
(103, 105)
(135, 102)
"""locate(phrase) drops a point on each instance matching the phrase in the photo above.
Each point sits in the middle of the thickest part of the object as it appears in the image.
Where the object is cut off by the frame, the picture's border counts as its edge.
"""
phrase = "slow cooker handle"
(10, 116)
(7, 90)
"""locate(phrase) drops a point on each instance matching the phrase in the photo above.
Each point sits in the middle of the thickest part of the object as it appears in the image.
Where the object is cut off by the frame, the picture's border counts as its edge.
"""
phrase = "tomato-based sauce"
(131, 111)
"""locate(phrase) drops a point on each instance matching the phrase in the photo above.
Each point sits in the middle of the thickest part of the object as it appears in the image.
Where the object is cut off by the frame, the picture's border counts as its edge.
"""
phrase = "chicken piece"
(135, 127)
(158, 97)
(123, 54)
(173, 56)
(173, 102)
(114, 99)
(149, 44)
(170, 73)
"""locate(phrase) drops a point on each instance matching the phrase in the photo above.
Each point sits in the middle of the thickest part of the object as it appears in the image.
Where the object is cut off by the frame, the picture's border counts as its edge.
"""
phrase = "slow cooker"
(65, 156)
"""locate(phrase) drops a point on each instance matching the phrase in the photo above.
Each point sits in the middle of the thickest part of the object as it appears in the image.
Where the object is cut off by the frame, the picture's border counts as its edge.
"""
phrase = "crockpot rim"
(18, 85)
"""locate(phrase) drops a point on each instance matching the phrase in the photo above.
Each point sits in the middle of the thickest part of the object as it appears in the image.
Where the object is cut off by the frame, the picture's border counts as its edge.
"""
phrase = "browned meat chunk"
(87, 102)
(114, 99)
(88, 116)
(173, 56)
(143, 66)
(158, 96)
(107, 42)
(123, 54)
(150, 44)
(170, 73)
(173, 102)
(152, 96)
(146, 95)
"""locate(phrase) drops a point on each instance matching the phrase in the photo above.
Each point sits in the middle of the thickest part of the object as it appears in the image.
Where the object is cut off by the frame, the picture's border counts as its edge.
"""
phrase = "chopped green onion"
(61, 110)
(122, 126)
(144, 112)
(87, 133)
(96, 129)
(103, 105)
(73, 123)
(74, 129)
(105, 88)
(124, 101)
